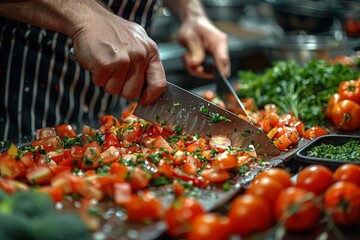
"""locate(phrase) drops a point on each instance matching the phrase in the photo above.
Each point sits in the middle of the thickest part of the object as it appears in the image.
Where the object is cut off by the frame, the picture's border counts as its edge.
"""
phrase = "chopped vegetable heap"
(349, 151)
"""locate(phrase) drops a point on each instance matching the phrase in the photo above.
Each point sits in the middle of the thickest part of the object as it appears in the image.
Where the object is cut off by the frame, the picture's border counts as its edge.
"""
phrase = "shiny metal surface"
(180, 109)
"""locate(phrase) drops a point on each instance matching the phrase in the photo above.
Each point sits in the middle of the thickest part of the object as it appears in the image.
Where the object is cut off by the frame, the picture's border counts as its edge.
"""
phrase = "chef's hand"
(199, 35)
(120, 56)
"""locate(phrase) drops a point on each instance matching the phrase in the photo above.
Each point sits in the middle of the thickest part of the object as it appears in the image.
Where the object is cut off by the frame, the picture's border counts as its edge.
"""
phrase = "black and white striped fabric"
(40, 86)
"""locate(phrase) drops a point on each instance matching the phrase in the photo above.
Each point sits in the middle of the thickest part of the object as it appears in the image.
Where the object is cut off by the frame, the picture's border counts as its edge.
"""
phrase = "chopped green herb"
(350, 151)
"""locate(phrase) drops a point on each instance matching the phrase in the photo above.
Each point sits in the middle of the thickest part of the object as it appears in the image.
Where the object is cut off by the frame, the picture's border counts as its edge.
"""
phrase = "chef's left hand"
(199, 35)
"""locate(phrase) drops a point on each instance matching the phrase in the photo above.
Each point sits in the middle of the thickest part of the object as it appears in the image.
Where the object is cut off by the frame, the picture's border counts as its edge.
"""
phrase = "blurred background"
(261, 31)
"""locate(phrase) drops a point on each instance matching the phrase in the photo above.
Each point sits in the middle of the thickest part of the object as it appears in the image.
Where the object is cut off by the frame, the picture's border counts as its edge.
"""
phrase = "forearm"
(65, 16)
(186, 8)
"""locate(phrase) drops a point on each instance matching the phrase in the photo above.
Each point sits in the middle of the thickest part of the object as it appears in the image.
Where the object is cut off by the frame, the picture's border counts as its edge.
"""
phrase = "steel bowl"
(304, 48)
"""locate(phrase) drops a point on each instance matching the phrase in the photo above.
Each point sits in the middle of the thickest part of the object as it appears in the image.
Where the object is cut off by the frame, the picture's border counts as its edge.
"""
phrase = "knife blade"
(178, 109)
(224, 88)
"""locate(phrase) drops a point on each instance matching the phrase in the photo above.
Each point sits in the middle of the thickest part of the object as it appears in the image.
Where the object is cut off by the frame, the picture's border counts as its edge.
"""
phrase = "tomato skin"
(315, 132)
(334, 99)
(279, 174)
(144, 207)
(9, 167)
(209, 226)
(342, 201)
(346, 115)
(348, 173)
(244, 215)
(315, 178)
(307, 215)
(215, 175)
(283, 142)
(225, 160)
(219, 142)
(66, 130)
(180, 214)
(267, 188)
(350, 90)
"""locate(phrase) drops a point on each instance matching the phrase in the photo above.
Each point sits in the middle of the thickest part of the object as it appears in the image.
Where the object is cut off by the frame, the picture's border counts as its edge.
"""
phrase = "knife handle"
(209, 64)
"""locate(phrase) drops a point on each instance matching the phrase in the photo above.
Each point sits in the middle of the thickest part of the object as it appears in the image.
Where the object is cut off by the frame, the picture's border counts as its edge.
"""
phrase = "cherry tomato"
(144, 207)
(248, 214)
(279, 174)
(225, 160)
(215, 175)
(350, 90)
(334, 99)
(66, 130)
(346, 115)
(348, 173)
(306, 214)
(315, 178)
(315, 132)
(209, 226)
(180, 214)
(267, 188)
(219, 142)
(342, 201)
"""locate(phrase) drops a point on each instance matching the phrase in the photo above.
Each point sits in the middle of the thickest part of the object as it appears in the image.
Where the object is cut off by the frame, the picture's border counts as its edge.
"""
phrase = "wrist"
(186, 9)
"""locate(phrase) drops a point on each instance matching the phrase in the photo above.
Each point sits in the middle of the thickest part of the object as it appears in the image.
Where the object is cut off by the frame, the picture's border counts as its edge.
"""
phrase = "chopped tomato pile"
(274, 205)
(121, 161)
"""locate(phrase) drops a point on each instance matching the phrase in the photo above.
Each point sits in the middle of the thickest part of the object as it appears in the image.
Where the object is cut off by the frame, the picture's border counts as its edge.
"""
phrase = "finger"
(155, 80)
(221, 57)
(134, 82)
(194, 45)
(197, 70)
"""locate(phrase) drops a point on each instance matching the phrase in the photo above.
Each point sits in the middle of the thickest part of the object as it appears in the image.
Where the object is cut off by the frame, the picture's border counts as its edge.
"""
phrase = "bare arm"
(119, 54)
(199, 35)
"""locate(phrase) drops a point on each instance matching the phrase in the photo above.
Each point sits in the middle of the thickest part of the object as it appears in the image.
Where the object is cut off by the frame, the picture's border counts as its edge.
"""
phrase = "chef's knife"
(181, 110)
(224, 88)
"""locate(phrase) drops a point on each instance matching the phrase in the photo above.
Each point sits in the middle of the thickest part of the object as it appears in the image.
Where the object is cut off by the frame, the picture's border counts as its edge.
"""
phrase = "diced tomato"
(245, 159)
(66, 130)
(112, 154)
(272, 132)
(63, 180)
(144, 207)
(45, 133)
(190, 165)
(109, 121)
(88, 211)
(39, 174)
(12, 185)
(215, 175)
(88, 130)
(118, 170)
(85, 189)
(57, 155)
(270, 121)
(179, 157)
(160, 142)
(165, 168)
(106, 183)
(300, 128)
(195, 146)
(28, 159)
(196, 181)
(282, 143)
(9, 167)
(293, 135)
(225, 160)
(111, 140)
(219, 142)
(56, 193)
(138, 178)
(122, 193)
(92, 156)
(178, 188)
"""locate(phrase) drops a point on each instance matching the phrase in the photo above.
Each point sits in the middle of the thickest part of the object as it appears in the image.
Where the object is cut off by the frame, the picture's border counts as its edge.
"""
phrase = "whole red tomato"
(350, 90)
(296, 207)
(346, 115)
(248, 214)
(279, 174)
(348, 173)
(209, 226)
(342, 201)
(315, 178)
(334, 99)
(180, 214)
(315, 132)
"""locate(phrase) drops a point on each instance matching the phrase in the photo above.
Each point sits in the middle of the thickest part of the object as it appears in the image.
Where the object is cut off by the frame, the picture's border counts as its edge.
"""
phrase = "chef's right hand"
(120, 56)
